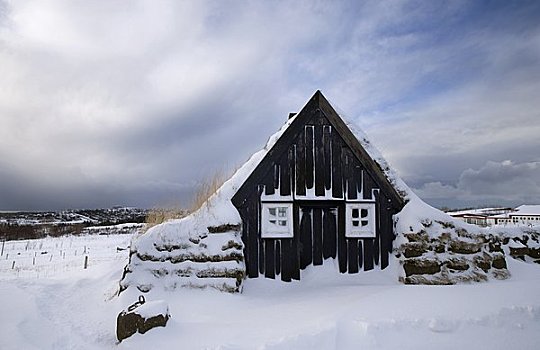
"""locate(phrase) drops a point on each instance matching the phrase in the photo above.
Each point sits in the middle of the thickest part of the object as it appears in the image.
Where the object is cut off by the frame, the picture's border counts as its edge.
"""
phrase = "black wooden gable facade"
(316, 195)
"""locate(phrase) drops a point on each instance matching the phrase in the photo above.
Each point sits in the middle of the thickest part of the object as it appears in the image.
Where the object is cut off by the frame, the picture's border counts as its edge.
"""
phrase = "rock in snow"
(141, 317)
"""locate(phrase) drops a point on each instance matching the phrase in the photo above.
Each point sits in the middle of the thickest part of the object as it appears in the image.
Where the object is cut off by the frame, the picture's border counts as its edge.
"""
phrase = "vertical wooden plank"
(319, 161)
(309, 168)
(376, 250)
(387, 234)
(337, 173)
(285, 177)
(342, 242)
(252, 211)
(360, 254)
(349, 174)
(306, 252)
(294, 261)
(277, 258)
(276, 176)
(261, 256)
(286, 259)
(358, 177)
(317, 236)
(352, 245)
(269, 183)
(300, 189)
(292, 169)
(368, 254)
(269, 266)
(327, 156)
(329, 233)
(369, 185)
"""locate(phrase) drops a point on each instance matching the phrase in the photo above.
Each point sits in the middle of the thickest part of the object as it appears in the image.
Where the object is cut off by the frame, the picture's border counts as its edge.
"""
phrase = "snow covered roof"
(533, 210)
(503, 215)
(402, 189)
(527, 210)
(370, 158)
(219, 210)
(478, 211)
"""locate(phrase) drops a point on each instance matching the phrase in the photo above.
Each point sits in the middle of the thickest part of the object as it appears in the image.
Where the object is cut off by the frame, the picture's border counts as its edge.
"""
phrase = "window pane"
(282, 212)
(355, 222)
(355, 213)
(364, 223)
(273, 222)
(282, 222)
(272, 211)
(364, 213)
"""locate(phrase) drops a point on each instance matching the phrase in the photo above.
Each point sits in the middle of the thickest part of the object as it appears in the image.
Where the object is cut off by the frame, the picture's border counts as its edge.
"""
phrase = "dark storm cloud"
(503, 182)
(105, 103)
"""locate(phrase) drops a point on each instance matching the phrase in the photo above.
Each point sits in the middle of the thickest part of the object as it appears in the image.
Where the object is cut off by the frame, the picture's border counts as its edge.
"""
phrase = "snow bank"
(435, 248)
(325, 310)
(203, 249)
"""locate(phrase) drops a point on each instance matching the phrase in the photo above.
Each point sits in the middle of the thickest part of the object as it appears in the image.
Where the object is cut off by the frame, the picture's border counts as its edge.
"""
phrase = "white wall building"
(481, 216)
(525, 215)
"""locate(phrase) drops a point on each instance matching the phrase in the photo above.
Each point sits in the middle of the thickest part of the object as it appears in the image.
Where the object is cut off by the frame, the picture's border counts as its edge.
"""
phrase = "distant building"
(525, 215)
(480, 217)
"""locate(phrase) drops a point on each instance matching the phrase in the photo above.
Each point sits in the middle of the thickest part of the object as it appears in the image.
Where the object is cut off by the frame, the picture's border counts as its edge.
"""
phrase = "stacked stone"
(524, 245)
(213, 259)
(452, 255)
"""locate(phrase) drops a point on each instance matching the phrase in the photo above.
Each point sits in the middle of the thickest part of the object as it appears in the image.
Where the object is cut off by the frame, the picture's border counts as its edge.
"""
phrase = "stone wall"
(440, 253)
(211, 259)
(519, 243)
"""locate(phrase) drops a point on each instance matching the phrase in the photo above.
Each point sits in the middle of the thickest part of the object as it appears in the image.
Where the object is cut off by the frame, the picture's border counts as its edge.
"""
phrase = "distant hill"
(25, 225)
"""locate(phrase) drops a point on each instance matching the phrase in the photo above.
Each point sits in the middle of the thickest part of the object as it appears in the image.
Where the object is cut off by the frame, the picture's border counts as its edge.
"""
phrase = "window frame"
(268, 231)
(360, 231)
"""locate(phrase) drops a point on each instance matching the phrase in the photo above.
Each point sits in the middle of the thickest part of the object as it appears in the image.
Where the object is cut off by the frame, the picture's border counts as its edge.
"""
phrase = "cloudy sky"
(134, 102)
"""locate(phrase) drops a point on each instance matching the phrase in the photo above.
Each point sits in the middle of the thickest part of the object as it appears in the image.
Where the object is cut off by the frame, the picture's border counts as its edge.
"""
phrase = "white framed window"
(360, 220)
(276, 220)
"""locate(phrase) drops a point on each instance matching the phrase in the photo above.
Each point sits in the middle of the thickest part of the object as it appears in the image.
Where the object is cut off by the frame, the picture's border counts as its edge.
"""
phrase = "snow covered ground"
(56, 304)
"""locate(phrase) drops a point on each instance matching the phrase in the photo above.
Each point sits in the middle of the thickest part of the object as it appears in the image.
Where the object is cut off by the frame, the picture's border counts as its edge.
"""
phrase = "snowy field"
(49, 301)
(57, 256)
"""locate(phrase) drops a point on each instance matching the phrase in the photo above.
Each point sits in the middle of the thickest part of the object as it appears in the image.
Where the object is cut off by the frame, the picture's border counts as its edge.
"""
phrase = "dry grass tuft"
(157, 216)
(207, 188)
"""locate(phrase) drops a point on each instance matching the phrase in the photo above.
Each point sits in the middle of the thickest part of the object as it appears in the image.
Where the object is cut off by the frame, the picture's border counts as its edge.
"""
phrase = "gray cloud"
(504, 183)
(134, 102)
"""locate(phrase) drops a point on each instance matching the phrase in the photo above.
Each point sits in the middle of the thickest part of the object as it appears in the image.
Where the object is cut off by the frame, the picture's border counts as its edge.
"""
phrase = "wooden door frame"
(339, 204)
(318, 204)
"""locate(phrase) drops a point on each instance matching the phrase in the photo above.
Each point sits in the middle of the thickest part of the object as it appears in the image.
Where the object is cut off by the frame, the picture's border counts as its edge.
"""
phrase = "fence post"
(85, 262)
